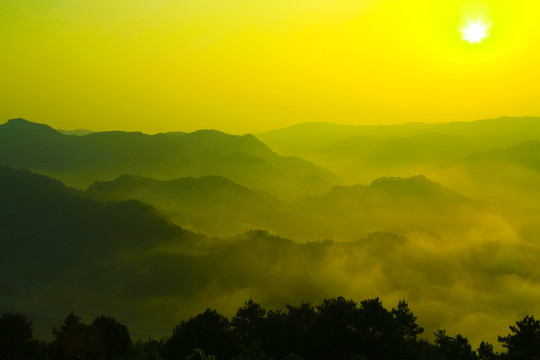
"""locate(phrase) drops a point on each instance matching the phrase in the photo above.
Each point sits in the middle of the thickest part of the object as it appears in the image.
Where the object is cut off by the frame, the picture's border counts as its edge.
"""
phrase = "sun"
(475, 32)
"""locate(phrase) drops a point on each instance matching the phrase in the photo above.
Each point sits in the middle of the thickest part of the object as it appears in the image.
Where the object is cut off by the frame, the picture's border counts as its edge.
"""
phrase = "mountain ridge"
(81, 160)
(301, 139)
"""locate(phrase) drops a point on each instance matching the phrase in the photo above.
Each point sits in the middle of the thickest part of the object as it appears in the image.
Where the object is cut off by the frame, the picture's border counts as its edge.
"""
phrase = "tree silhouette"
(199, 354)
(524, 341)
(75, 340)
(143, 351)
(485, 352)
(292, 356)
(275, 335)
(299, 328)
(16, 341)
(335, 331)
(208, 331)
(380, 335)
(406, 321)
(115, 339)
(253, 352)
(248, 322)
(454, 348)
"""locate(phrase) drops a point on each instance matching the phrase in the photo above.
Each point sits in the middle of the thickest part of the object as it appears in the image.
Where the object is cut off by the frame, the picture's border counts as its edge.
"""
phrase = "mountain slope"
(525, 154)
(304, 139)
(216, 206)
(359, 154)
(211, 204)
(387, 204)
(42, 219)
(81, 160)
(62, 253)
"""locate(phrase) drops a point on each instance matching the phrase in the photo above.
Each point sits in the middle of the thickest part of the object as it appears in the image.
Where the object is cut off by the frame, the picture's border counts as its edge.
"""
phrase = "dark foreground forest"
(335, 329)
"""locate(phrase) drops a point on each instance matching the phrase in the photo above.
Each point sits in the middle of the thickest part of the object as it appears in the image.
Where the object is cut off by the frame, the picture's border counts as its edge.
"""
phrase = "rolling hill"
(359, 154)
(81, 160)
(525, 154)
(211, 204)
(388, 204)
(216, 206)
(308, 138)
(61, 252)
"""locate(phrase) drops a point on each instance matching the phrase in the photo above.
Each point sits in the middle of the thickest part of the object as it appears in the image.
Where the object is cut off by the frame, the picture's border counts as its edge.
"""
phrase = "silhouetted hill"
(15, 126)
(216, 206)
(81, 160)
(62, 252)
(507, 177)
(526, 154)
(428, 148)
(304, 139)
(388, 204)
(359, 154)
(417, 187)
(76, 132)
(56, 227)
(514, 128)
(55, 245)
(192, 202)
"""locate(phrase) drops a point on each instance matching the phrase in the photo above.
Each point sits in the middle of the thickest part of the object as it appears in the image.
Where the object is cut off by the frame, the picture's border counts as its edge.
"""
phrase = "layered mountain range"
(160, 226)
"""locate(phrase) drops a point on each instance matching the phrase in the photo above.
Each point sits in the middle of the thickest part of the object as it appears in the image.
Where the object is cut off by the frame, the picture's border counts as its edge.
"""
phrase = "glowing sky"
(249, 66)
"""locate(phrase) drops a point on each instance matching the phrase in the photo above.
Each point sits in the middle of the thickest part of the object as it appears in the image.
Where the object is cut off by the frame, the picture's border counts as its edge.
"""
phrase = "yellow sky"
(254, 65)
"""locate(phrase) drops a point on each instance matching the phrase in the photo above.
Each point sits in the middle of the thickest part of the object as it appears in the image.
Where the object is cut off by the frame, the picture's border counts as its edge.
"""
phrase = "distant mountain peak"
(399, 180)
(76, 132)
(21, 121)
(209, 132)
(415, 186)
(20, 124)
(16, 120)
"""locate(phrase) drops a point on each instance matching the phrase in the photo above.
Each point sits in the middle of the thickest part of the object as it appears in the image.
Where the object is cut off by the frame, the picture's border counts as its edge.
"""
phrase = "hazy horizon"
(263, 131)
(240, 66)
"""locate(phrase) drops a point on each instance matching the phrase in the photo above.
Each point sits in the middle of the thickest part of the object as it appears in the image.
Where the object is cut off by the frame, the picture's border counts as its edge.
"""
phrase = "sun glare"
(475, 32)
